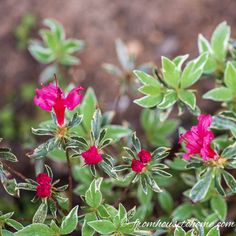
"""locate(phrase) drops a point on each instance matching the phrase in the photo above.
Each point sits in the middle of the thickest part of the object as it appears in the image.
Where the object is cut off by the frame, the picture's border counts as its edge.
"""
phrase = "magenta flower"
(198, 139)
(137, 166)
(92, 156)
(52, 97)
(144, 156)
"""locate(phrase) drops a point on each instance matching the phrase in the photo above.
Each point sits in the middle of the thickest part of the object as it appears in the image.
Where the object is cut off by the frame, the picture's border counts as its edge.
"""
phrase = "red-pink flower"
(43, 190)
(92, 156)
(137, 166)
(43, 178)
(52, 97)
(198, 139)
(144, 156)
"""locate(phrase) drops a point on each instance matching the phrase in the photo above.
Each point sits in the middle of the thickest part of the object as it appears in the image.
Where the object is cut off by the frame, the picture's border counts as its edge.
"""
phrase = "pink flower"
(198, 139)
(43, 190)
(92, 156)
(137, 166)
(43, 178)
(144, 156)
(52, 97)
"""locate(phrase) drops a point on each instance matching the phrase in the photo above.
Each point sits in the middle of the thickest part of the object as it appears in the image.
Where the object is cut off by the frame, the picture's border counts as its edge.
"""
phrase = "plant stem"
(64, 212)
(12, 171)
(70, 182)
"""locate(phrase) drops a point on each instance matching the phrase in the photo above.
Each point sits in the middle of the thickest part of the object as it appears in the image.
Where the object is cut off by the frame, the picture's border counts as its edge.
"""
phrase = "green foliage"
(164, 90)
(55, 48)
(217, 49)
(153, 126)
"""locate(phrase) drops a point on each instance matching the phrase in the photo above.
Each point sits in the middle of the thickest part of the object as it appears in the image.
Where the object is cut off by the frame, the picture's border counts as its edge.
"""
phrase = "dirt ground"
(156, 27)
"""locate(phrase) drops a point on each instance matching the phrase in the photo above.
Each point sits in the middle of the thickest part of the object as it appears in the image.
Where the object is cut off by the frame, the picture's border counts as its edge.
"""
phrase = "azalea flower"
(137, 166)
(43, 190)
(92, 156)
(198, 139)
(43, 178)
(52, 97)
(144, 156)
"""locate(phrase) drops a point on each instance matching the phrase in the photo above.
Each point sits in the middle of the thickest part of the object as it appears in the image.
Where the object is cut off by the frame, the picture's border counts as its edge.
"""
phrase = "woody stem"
(69, 178)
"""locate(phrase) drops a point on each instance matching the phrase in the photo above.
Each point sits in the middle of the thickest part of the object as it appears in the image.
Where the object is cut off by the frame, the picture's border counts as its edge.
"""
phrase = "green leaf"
(112, 69)
(200, 189)
(43, 55)
(230, 181)
(88, 107)
(229, 152)
(69, 60)
(146, 79)
(214, 231)
(86, 229)
(182, 212)
(10, 185)
(123, 55)
(116, 132)
(219, 40)
(230, 76)
(204, 46)
(219, 206)
(14, 224)
(55, 27)
(169, 100)
(70, 222)
(193, 71)
(42, 150)
(7, 156)
(73, 45)
(96, 124)
(166, 201)
(179, 231)
(221, 94)
(150, 90)
(136, 142)
(102, 226)
(149, 101)
(41, 214)
(188, 98)
(170, 72)
(36, 230)
(179, 60)
(93, 196)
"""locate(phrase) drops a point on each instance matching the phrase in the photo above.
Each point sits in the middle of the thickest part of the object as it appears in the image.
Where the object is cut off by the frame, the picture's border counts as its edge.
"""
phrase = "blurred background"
(149, 28)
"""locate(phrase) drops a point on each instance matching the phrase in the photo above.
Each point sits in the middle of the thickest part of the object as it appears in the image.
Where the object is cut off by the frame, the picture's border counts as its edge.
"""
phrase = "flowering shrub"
(115, 179)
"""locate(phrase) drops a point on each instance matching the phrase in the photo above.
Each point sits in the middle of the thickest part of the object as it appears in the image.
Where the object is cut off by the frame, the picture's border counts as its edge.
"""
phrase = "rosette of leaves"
(59, 135)
(127, 65)
(172, 85)
(55, 49)
(146, 178)
(97, 138)
(66, 227)
(9, 184)
(87, 109)
(211, 173)
(225, 92)
(217, 49)
(47, 204)
(105, 219)
(6, 221)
